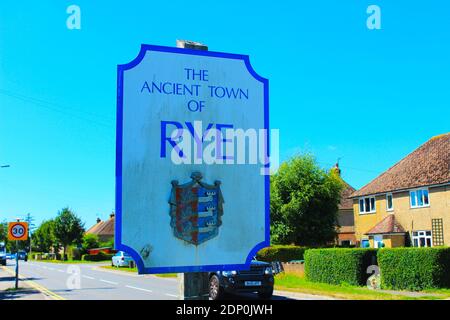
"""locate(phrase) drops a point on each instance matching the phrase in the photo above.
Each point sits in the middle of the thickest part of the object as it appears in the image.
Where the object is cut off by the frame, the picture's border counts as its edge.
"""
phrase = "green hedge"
(339, 265)
(97, 257)
(414, 268)
(281, 253)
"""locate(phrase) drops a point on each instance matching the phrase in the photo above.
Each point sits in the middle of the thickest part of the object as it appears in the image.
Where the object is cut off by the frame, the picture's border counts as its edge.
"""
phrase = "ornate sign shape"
(164, 90)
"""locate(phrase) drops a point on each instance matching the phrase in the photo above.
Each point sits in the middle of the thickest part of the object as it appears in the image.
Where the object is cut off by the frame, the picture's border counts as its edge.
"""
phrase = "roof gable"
(427, 165)
(103, 228)
(346, 203)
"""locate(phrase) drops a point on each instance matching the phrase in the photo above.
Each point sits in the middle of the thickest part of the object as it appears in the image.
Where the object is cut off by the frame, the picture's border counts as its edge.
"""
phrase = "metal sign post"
(17, 231)
(17, 266)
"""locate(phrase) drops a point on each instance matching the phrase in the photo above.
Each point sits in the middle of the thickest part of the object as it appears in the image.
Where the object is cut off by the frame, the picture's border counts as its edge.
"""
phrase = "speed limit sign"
(18, 231)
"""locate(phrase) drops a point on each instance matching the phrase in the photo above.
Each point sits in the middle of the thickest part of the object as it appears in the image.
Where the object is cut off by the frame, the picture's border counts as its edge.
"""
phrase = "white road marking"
(110, 282)
(87, 277)
(171, 295)
(136, 288)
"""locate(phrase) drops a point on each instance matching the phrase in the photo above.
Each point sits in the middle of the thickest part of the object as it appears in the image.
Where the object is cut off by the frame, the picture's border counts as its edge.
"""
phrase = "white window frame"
(422, 234)
(415, 191)
(371, 210)
(387, 202)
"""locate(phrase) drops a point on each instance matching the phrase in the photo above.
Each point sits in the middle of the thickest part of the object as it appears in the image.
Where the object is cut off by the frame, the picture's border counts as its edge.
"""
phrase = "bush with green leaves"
(414, 268)
(74, 253)
(90, 241)
(281, 253)
(101, 256)
(339, 265)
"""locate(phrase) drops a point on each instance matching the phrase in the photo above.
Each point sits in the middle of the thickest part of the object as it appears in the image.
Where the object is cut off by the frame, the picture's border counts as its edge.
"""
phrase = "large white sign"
(192, 184)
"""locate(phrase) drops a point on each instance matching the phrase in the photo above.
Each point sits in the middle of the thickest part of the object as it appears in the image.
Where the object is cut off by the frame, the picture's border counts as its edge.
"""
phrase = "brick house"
(409, 204)
(103, 229)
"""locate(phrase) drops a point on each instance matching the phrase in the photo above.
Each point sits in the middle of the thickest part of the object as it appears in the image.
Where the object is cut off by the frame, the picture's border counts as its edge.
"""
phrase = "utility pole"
(193, 285)
(31, 227)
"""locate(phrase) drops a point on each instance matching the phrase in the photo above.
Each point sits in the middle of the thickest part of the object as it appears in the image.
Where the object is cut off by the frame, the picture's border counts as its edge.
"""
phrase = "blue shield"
(196, 209)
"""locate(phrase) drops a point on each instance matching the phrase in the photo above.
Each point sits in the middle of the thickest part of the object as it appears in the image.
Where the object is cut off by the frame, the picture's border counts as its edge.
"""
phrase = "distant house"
(409, 204)
(103, 229)
(346, 221)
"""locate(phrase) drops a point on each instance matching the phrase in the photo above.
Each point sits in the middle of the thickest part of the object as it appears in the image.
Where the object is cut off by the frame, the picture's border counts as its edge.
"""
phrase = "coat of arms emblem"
(196, 209)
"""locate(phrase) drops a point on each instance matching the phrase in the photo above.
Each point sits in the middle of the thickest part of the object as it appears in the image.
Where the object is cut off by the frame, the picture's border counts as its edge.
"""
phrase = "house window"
(419, 198)
(422, 239)
(389, 202)
(367, 205)
(346, 243)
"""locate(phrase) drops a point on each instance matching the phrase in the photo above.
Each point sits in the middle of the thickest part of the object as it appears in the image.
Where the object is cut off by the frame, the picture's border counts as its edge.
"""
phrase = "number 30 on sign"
(18, 231)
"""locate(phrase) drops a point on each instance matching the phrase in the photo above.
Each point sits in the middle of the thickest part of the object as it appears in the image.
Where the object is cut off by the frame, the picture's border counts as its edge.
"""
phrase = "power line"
(58, 108)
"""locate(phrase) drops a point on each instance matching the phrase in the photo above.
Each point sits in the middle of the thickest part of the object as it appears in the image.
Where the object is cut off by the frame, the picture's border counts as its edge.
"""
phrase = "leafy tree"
(304, 203)
(4, 232)
(43, 238)
(68, 229)
(90, 241)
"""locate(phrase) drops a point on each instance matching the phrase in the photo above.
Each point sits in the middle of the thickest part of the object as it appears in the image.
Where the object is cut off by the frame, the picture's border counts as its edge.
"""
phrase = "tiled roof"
(427, 165)
(346, 202)
(103, 228)
(387, 225)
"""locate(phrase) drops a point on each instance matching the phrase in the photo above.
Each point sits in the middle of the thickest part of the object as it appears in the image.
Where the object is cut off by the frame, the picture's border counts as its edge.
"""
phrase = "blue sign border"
(119, 131)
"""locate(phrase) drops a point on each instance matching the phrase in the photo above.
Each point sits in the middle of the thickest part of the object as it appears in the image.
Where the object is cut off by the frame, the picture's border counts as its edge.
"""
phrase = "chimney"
(112, 215)
(336, 169)
(99, 220)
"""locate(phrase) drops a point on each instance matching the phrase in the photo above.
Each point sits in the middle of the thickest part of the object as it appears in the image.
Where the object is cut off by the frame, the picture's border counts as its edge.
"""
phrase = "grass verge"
(295, 283)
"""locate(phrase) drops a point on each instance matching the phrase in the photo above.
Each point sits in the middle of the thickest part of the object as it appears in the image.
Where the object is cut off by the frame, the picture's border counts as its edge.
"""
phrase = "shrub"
(90, 241)
(339, 265)
(97, 257)
(281, 253)
(73, 253)
(414, 268)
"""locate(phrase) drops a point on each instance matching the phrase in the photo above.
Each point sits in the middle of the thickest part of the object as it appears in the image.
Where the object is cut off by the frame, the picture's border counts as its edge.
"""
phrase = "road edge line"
(35, 285)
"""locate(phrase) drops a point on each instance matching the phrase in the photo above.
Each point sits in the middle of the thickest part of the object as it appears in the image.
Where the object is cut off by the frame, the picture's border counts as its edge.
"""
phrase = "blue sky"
(337, 89)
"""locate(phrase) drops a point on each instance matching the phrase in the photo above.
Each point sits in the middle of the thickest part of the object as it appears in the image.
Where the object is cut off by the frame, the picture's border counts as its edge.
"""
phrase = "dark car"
(258, 279)
(2, 254)
(23, 255)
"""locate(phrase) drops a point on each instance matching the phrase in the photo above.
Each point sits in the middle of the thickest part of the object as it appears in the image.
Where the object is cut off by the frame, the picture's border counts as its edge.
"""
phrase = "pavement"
(43, 280)
(25, 291)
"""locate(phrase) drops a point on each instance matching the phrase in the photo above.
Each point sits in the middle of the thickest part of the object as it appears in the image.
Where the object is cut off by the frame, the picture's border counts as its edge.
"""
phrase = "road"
(91, 282)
